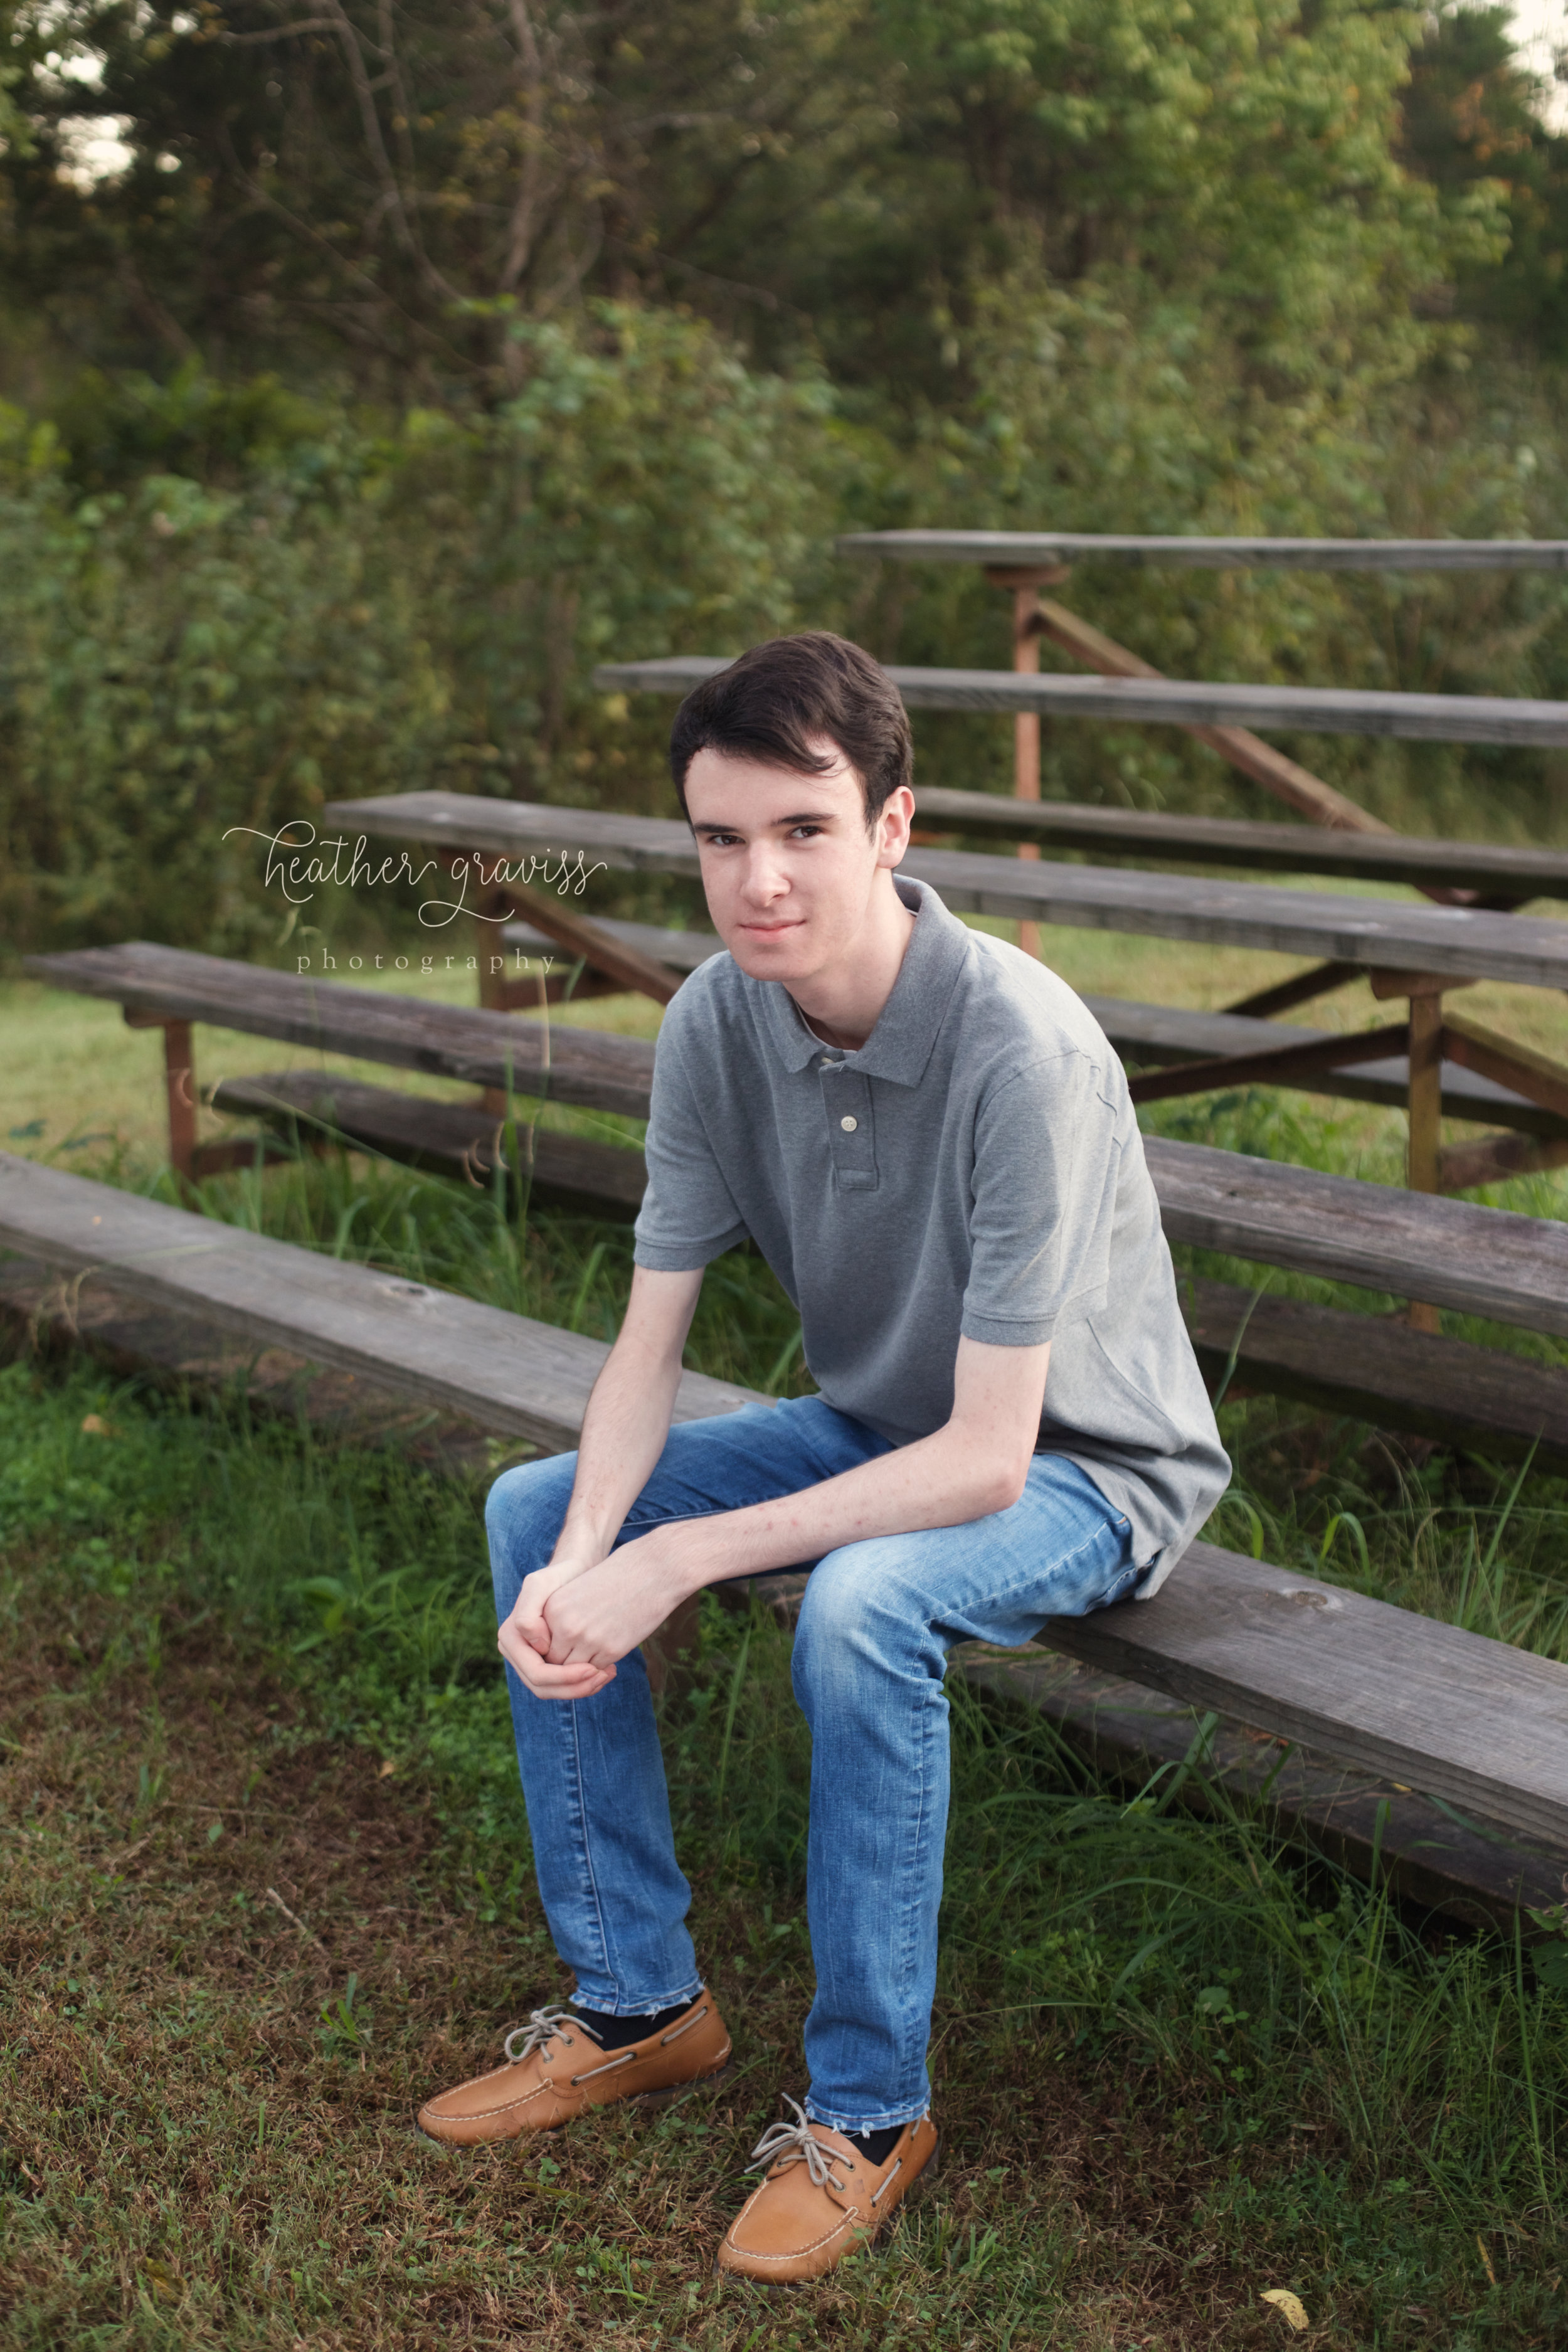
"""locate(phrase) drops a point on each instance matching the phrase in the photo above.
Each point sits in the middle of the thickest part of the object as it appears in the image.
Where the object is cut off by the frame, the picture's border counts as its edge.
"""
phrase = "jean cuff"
(647, 2004)
(851, 2126)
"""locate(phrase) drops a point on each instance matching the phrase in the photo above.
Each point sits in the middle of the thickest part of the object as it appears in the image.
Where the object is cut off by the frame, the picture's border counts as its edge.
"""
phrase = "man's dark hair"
(770, 705)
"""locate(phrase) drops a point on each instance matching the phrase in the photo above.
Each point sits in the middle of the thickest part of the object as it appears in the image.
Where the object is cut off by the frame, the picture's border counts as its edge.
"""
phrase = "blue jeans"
(870, 1652)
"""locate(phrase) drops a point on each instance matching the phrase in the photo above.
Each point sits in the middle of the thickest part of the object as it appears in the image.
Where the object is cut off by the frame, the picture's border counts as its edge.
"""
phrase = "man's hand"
(525, 1639)
(599, 1615)
(573, 1621)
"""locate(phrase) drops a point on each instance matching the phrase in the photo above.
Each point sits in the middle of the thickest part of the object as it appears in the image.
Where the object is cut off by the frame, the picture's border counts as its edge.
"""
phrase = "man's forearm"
(624, 1431)
(941, 1481)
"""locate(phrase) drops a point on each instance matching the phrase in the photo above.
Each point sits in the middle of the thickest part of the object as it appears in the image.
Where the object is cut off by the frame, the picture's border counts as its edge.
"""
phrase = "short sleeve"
(1047, 1159)
(687, 1216)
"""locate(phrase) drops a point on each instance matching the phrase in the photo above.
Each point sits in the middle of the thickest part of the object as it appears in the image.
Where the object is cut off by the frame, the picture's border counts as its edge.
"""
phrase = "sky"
(1541, 27)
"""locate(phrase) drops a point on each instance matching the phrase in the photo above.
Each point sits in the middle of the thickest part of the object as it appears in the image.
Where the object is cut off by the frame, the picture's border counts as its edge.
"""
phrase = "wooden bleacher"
(1414, 953)
(1170, 551)
(1456, 1719)
(1497, 873)
(1471, 1260)
(1366, 934)
(1155, 702)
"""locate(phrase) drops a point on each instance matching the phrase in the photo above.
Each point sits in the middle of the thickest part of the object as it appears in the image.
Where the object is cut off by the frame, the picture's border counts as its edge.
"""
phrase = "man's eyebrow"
(806, 816)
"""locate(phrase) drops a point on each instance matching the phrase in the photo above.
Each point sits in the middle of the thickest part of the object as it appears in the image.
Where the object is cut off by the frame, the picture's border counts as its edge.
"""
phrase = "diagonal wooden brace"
(1281, 1066)
(576, 933)
(1519, 1068)
(1319, 980)
(1492, 1159)
(1288, 781)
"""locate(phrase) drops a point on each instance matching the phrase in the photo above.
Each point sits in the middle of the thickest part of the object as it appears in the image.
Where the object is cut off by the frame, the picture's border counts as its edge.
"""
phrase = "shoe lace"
(794, 2143)
(543, 2025)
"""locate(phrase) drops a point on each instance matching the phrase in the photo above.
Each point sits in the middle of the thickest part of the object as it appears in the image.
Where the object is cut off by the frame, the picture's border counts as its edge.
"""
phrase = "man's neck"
(844, 1004)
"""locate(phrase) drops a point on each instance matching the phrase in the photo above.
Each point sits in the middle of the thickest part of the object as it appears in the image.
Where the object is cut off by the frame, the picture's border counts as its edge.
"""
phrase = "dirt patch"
(231, 1966)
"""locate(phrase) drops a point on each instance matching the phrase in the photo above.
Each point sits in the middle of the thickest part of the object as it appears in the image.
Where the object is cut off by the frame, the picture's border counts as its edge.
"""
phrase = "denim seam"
(590, 1880)
(913, 1876)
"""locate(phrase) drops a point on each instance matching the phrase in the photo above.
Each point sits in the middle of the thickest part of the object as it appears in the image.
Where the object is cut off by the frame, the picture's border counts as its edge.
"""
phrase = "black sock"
(619, 2032)
(877, 2146)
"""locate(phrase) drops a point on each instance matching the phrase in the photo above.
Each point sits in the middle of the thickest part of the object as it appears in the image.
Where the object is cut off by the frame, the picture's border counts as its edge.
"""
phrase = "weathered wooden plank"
(677, 950)
(1455, 1715)
(1162, 1035)
(1461, 942)
(527, 1379)
(1495, 868)
(1473, 1260)
(627, 845)
(457, 1139)
(585, 1066)
(1477, 1872)
(1462, 1718)
(1174, 702)
(1380, 1370)
(1476, 1260)
(1041, 547)
(1466, 941)
(1472, 1868)
(1365, 1822)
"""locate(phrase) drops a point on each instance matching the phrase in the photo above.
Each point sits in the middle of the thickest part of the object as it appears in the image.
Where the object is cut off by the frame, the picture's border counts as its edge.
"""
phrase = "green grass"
(265, 1880)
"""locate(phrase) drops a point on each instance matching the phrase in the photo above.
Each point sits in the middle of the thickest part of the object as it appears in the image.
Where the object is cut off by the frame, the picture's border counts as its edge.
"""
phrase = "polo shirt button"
(849, 1125)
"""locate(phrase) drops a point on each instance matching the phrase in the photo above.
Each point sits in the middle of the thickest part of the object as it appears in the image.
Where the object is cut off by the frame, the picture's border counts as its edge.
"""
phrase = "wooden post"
(179, 1084)
(1026, 732)
(180, 1079)
(486, 932)
(490, 902)
(1425, 1150)
(1025, 588)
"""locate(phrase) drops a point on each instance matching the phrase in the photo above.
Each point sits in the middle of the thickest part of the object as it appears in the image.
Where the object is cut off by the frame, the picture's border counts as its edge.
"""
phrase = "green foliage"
(851, 175)
(1473, 115)
(185, 665)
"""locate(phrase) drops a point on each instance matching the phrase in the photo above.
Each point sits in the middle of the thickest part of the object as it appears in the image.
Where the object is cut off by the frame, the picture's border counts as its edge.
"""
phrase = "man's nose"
(765, 876)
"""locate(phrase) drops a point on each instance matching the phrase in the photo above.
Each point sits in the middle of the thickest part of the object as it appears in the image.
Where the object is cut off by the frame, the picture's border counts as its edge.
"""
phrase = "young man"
(931, 1141)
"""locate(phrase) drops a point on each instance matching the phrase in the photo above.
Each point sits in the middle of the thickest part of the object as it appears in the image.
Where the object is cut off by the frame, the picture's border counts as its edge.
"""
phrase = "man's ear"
(893, 821)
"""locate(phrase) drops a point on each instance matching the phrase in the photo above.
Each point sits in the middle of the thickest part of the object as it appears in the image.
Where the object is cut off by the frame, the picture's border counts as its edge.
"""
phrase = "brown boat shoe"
(552, 2073)
(820, 2199)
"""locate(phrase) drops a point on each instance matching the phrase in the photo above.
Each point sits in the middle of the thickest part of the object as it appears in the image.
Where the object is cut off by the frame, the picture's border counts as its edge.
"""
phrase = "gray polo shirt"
(976, 1167)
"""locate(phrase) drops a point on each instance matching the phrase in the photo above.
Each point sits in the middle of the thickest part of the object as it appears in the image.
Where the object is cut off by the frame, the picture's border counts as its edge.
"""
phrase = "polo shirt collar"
(900, 1044)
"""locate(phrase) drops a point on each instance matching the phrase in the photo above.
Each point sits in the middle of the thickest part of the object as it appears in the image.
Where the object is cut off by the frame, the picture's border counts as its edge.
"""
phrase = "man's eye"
(806, 831)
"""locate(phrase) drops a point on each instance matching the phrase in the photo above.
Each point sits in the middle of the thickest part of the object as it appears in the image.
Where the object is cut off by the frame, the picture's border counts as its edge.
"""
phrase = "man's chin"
(783, 955)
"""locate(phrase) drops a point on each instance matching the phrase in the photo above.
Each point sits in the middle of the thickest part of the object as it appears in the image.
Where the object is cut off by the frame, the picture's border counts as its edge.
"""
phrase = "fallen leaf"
(95, 1425)
(165, 2284)
(387, 1770)
(1486, 2259)
(1290, 2306)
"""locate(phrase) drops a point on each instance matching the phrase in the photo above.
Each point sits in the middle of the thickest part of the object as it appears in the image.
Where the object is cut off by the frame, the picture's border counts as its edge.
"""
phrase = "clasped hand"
(573, 1621)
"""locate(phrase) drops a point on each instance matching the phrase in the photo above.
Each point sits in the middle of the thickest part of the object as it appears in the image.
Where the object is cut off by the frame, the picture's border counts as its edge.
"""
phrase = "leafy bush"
(351, 611)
